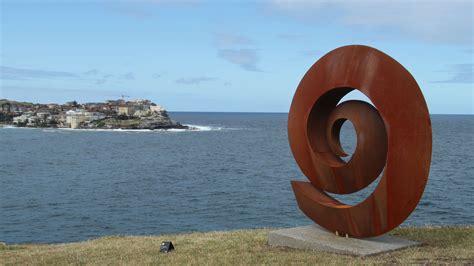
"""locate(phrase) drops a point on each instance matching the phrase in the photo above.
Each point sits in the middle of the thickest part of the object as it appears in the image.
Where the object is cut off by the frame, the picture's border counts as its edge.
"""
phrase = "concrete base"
(313, 237)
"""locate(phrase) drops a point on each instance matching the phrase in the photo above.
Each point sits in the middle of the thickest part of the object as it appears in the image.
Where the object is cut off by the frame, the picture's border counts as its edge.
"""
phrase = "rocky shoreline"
(149, 122)
(114, 123)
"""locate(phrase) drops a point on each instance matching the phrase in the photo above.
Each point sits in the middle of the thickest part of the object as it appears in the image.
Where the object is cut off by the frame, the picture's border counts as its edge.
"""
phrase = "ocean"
(234, 172)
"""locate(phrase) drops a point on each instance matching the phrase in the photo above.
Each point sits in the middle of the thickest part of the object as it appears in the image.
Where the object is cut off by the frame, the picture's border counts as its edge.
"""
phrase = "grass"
(440, 245)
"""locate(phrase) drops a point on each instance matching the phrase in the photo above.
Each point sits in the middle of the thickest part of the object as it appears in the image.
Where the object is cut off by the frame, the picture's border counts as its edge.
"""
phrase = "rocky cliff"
(155, 120)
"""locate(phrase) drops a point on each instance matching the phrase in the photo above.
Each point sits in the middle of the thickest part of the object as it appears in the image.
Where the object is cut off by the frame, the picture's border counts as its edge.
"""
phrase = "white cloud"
(194, 80)
(435, 21)
(228, 39)
(230, 48)
(461, 73)
(91, 72)
(245, 58)
(23, 73)
(129, 76)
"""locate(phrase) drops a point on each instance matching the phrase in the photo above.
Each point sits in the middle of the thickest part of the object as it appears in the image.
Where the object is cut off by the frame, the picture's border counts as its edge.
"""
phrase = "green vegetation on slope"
(244, 247)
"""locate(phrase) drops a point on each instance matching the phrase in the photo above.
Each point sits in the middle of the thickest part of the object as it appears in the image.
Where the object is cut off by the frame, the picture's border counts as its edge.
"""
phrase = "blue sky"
(243, 56)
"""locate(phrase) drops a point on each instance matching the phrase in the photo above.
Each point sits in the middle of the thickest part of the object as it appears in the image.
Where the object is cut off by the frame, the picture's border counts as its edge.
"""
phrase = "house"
(156, 108)
(33, 121)
(75, 118)
(127, 110)
(22, 119)
(43, 115)
(93, 116)
(6, 107)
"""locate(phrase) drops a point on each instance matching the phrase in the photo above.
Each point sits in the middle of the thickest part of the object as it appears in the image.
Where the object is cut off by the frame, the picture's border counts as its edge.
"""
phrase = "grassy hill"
(440, 245)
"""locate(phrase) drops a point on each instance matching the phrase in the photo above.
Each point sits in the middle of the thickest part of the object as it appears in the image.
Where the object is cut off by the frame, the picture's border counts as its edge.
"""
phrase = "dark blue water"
(64, 185)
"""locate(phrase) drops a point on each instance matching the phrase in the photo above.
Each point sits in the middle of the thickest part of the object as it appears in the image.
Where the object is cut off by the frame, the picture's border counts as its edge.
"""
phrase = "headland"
(112, 114)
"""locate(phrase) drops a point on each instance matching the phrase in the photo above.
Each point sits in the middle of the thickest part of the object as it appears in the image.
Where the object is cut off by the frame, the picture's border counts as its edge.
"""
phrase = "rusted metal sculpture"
(393, 137)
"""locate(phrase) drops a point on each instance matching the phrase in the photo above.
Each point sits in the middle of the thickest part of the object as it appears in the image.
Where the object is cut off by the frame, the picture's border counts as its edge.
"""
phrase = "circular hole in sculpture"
(348, 140)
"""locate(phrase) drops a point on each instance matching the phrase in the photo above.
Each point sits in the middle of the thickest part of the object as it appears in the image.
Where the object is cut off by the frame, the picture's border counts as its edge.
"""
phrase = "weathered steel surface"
(393, 139)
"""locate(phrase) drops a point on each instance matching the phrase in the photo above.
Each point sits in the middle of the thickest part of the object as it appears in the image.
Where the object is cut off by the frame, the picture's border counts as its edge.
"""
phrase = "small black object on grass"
(166, 246)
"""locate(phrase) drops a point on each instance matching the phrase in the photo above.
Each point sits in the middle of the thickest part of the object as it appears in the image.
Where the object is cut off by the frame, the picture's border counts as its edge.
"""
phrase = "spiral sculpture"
(393, 140)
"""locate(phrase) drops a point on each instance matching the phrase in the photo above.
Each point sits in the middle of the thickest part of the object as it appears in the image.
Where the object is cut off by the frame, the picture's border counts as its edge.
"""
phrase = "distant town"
(112, 114)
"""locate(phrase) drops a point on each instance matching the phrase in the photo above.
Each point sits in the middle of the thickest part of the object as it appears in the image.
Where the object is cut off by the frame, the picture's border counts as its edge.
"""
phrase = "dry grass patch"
(243, 247)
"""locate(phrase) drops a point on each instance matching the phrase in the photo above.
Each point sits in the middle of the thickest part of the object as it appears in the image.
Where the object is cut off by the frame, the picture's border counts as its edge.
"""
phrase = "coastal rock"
(153, 121)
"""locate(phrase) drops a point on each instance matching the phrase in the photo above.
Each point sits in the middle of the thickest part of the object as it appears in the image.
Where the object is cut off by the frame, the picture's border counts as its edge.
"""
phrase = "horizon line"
(274, 112)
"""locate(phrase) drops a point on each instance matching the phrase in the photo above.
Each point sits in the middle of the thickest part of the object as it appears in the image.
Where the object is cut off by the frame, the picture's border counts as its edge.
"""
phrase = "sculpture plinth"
(313, 237)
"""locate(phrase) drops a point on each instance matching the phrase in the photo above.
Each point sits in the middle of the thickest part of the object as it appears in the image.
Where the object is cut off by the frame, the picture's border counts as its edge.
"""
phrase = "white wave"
(198, 128)
(106, 130)
(175, 130)
(211, 128)
(191, 128)
(203, 128)
(14, 127)
(7, 126)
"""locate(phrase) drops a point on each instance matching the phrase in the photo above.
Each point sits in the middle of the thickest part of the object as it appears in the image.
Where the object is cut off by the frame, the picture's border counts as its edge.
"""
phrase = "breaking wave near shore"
(192, 128)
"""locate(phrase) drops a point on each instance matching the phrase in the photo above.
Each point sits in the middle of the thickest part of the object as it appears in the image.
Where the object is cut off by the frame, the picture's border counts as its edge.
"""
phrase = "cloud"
(194, 80)
(92, 75)
(105, 78)
(100, 81)
(245, 58)
(291, 37)
(128, 76)
(23, 73)
(223, 40)
(434, 21)
(34, 90)
(461, 73)
(229, 49)
(48, 94)
(92, 72)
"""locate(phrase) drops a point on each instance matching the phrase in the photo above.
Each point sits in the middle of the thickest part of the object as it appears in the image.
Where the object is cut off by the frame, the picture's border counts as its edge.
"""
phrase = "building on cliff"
(157, 108)
(127, 110)
(78, 117)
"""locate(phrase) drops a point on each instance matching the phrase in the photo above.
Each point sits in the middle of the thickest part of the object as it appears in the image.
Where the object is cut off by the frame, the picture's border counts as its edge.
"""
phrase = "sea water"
(233, 171)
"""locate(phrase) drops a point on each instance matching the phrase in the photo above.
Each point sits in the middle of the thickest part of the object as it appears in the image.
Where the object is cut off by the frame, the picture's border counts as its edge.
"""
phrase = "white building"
(156, 108)
(141, 113)
(43, 115)
(92, 116)
(127, 110)
(74, 118)
(22, 119)
(33, 121)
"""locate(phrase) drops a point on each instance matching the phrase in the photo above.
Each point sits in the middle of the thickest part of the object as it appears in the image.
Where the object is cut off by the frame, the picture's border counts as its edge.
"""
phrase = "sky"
(224, 56)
